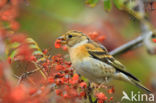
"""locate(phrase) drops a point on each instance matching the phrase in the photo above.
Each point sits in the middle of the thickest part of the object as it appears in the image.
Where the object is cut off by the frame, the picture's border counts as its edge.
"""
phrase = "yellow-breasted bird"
(93, 61)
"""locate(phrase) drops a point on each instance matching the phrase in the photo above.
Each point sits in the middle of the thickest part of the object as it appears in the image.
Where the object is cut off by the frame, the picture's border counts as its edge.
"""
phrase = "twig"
(90, 98)
(128, 46)
(147, 32)
(149, 0)
(89, 90)
(96, 101)
(23, 76)
(144, 37)
(89, 93)
(2, 50)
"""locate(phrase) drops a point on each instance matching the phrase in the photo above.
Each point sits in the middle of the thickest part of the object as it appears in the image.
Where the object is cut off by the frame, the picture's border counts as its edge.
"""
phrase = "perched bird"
(93, 61)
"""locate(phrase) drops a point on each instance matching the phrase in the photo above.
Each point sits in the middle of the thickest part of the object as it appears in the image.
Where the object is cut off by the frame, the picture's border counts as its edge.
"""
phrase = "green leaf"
(118, 3)
(107, 5)
(33, 47)
(12, 55)
(33, 44)
(37, 53)
(14, 45)
(84, 79)
(92, 3)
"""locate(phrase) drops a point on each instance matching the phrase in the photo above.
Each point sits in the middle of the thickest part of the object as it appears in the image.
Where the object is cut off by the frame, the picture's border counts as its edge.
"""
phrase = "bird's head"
(72, 38)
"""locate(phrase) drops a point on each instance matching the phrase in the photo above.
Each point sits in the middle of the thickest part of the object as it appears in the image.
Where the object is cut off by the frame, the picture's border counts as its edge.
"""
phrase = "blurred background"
(45, 20)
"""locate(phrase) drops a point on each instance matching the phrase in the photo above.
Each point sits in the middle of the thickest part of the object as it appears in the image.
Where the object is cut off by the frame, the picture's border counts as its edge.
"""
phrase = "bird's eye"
(70, 36)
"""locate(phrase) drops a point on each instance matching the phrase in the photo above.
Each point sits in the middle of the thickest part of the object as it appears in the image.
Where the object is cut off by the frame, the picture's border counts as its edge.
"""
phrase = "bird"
(93, 61)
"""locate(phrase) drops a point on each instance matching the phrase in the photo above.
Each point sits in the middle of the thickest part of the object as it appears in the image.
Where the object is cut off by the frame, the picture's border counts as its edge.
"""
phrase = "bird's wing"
(99, 52)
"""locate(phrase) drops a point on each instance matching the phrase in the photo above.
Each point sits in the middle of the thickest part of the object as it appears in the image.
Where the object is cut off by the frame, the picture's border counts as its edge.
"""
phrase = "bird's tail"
(123, 77)
(141, 86)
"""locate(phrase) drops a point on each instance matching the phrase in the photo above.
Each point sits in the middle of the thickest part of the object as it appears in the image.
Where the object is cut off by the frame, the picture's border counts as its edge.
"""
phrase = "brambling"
(93, 61)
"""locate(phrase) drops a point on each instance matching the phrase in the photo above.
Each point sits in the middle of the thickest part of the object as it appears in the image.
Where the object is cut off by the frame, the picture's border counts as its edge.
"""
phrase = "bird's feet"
(98, 86)
(102, 85)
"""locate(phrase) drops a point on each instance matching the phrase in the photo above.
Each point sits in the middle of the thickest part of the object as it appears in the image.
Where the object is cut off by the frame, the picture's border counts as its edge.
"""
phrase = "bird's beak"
(62, 39)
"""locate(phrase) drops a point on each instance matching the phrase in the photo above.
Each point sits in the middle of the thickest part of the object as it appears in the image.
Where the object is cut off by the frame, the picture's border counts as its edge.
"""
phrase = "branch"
(149, 0)
(147, 32)
(89, 89)
(24, 75)
(144, 38)
(2, 49)
(128, 46)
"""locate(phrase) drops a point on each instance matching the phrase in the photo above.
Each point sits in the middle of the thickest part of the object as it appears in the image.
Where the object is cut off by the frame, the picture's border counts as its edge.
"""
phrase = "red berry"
(57, 44)
(58, 92)
(2, 3)
(50, 80)
(9, 60)
(64, 48)
(33, 58)
(111, 98)
(45, 51)
(111, 91)
(101, 96)
(101, 38)
(32, 91)
(14, 25)
(83, 85)
(66, 95)
(154, 40)
(82, 94)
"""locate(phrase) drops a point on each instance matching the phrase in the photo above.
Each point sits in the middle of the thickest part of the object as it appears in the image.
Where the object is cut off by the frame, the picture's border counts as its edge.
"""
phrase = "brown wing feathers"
(103, 56)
